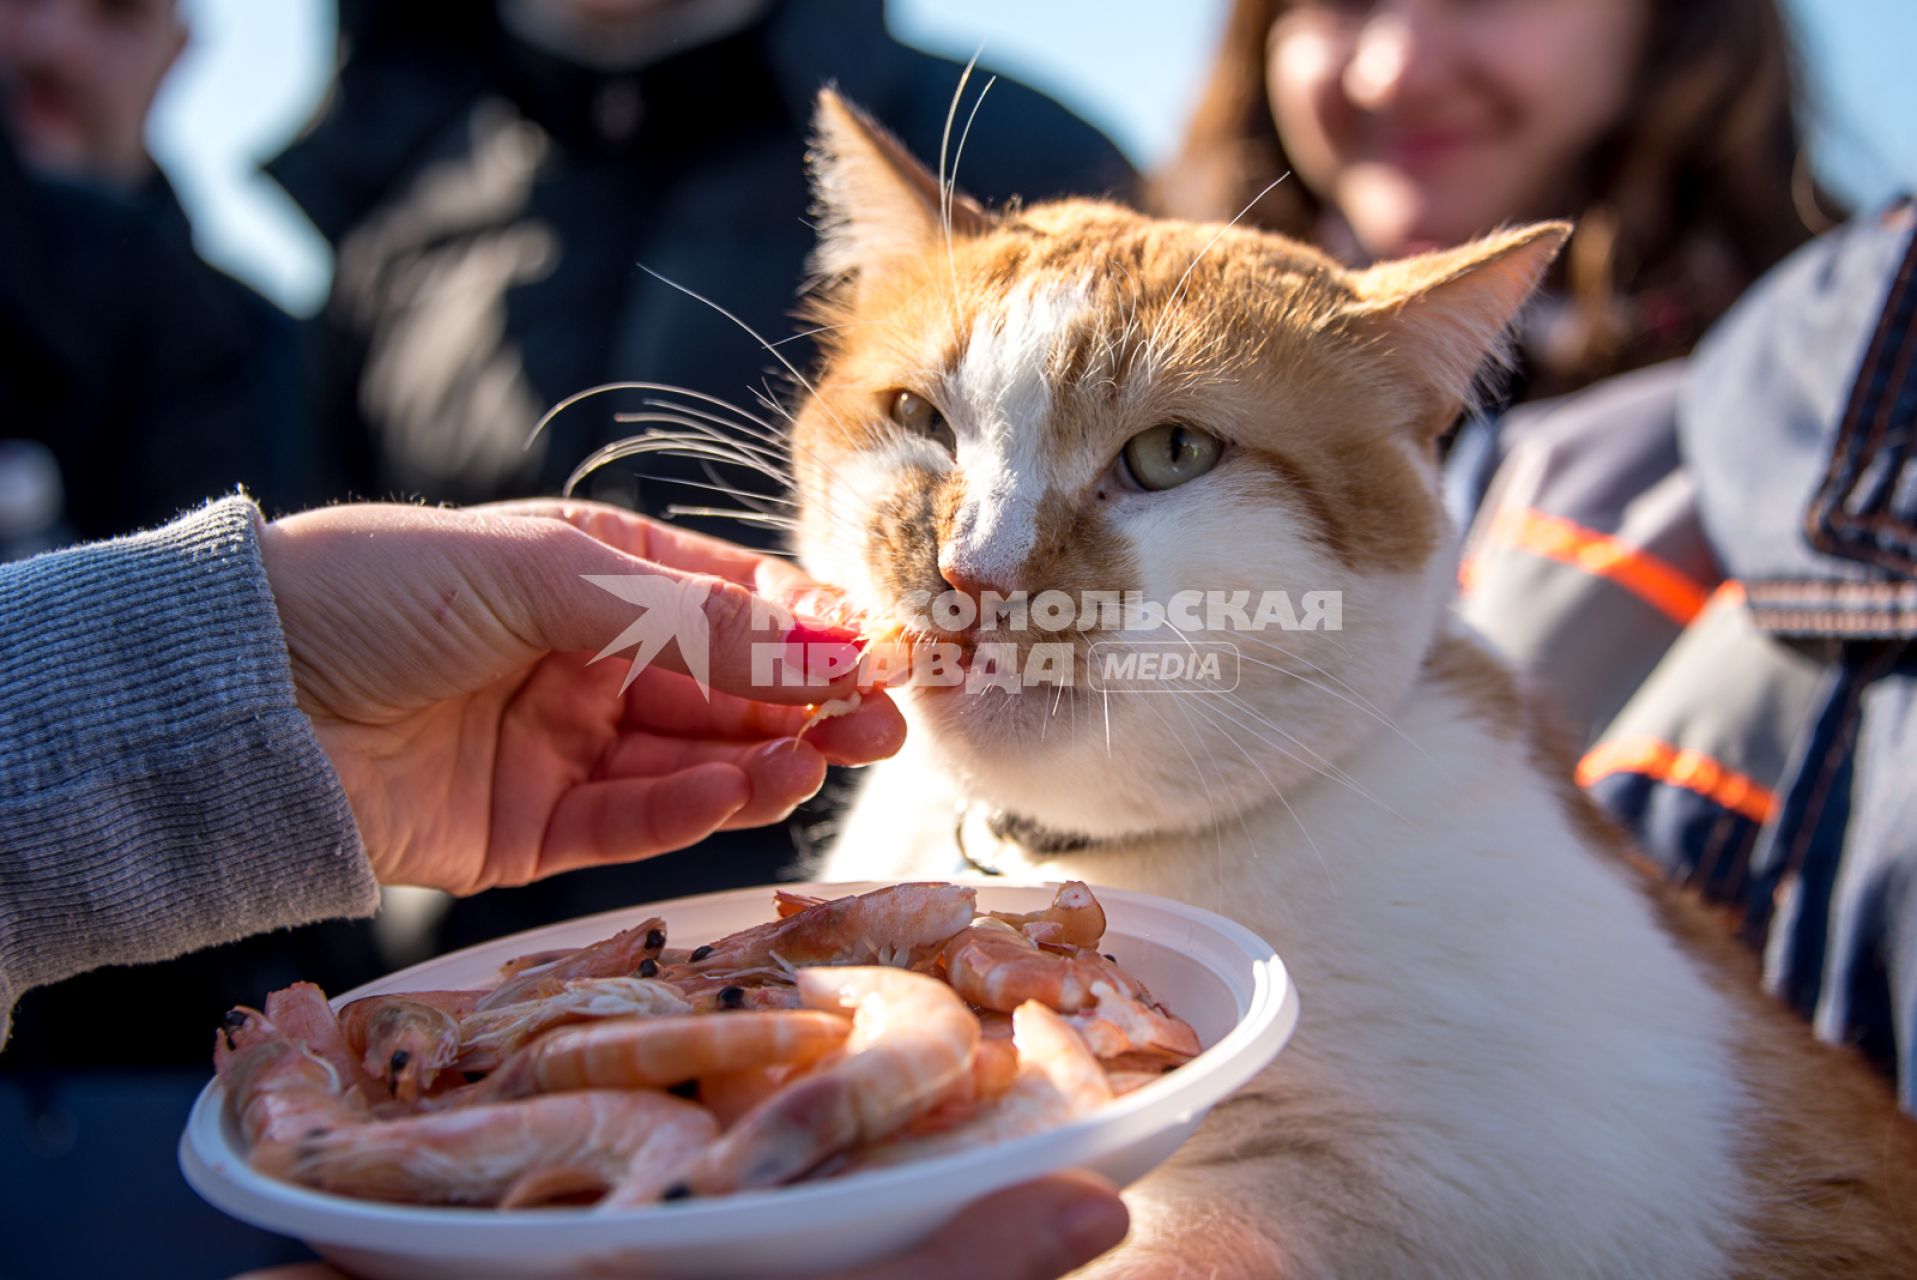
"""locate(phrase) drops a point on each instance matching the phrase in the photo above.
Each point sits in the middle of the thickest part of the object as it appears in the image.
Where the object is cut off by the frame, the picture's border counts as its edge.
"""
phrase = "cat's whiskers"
(1211, 801)
(1329, 770)
(743, 439)
(945, 191)
(1105, 700)
(773, 457)
(836, 518)
(772, 429)
(771, 402)
(1244, 826)
(786, 523)
(1045, 724)
(770, 440)
(818, 329)
(951, 182)
(607, 388)
(1171, 303)
(1178, 631)
(685, 445)
(1311, 760)
(1355, 698)
(1278, 794)
(764, 459)
(754, 334)
(743, 495)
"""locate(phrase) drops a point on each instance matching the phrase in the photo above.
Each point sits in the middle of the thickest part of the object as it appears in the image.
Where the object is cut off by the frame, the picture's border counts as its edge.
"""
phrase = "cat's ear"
(876, 204)
(1445, 314)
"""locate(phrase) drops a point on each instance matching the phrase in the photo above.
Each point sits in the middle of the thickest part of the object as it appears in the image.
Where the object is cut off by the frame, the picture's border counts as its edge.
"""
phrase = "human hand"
(1039, 1230)
(444, 658)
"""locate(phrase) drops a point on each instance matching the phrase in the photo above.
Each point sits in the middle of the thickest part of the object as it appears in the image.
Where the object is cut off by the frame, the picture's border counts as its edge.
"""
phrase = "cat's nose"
(971, 579)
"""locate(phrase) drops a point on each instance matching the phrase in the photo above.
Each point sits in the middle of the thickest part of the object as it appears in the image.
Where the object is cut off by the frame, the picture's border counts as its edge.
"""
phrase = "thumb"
(573, 593)
(1036, 1231)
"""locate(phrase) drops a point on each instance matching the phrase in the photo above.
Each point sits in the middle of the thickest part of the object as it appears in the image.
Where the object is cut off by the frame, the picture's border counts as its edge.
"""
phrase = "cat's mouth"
(937, 661)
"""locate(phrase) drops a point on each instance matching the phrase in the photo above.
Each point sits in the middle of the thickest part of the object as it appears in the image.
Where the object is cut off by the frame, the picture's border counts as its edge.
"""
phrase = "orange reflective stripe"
(1650, 579)
(1692, 770)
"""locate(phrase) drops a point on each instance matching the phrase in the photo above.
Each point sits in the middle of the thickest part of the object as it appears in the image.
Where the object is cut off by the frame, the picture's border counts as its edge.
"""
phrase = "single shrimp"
(488, 1036)
(277, 1089)
(881, 927)
(630, 951)
(657, 1052)
(634, 1142)
(911, 1040)
(996, 967)
(1058, 1081)
(403, 1042)
(1074, 918)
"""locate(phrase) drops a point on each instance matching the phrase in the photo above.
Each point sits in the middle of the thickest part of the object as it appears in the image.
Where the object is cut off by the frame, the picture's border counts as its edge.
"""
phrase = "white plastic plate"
(1219, 976)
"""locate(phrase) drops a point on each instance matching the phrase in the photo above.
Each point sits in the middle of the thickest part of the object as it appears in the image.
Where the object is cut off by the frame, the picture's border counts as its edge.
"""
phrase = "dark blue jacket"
(1711, 567)
(492, 208)
(154, 380)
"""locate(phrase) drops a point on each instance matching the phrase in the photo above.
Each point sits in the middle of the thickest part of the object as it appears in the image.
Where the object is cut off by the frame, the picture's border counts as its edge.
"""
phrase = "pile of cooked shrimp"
(850, 1033)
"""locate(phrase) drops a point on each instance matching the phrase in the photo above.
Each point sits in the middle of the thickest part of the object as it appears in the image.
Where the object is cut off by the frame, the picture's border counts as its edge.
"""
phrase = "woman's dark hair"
(1701, 189)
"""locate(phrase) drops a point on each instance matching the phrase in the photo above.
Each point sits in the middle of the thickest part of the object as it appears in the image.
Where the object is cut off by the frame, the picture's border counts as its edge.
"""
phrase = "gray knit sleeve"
(159, 789)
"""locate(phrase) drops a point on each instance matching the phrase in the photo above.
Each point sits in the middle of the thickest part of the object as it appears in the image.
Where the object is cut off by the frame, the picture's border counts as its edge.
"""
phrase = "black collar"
(1035, 838)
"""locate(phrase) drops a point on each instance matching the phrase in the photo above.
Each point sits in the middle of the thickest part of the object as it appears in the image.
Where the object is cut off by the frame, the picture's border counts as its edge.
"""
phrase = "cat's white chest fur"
(1503, 1068)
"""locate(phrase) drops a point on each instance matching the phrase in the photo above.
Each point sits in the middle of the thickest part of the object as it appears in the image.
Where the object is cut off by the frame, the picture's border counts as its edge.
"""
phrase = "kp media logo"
(675, 613)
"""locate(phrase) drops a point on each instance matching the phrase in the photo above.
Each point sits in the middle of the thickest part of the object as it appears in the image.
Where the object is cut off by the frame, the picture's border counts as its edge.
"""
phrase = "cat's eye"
(922, 418)
(1170, 454)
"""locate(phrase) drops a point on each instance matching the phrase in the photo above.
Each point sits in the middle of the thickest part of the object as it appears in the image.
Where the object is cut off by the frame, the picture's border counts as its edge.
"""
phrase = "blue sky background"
(257, 68)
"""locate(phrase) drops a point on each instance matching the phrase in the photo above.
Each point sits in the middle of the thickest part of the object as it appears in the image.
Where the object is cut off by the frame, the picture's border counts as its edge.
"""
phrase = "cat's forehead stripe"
(1000, 377)
(1002, 401)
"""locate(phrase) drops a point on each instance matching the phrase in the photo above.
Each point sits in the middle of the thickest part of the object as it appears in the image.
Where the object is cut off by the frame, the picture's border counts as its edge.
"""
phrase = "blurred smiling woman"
(1668, 129)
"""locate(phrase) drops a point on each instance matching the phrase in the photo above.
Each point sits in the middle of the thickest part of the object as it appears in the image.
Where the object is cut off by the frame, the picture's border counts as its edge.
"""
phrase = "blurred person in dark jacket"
(495, 177)
(151, 377)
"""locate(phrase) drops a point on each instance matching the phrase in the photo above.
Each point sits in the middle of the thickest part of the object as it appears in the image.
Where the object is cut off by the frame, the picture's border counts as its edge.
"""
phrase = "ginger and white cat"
(1518, 1056)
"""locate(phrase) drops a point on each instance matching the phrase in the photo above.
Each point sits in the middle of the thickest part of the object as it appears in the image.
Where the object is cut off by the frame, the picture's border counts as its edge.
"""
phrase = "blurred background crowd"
(357, 251)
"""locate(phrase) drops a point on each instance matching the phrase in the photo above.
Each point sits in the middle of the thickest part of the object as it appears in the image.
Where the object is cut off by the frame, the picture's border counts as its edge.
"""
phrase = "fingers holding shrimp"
(662, 703)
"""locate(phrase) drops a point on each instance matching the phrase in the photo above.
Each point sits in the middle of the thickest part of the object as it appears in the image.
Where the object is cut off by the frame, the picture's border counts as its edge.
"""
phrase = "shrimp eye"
(1169, 454)
(921, 417)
